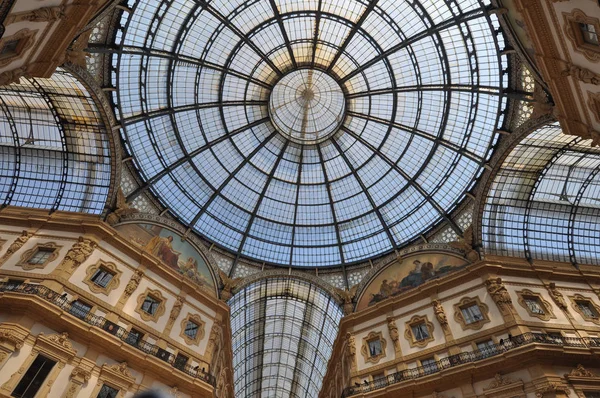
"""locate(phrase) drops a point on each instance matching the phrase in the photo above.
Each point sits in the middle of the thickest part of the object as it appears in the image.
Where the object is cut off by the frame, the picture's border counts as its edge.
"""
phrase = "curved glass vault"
(54, 147)
(544, 202)
(309, 133)
(283, 331)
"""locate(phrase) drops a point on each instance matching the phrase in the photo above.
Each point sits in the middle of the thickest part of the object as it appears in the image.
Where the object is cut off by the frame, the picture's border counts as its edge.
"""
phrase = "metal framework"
(54, 147)
(543, 203)
(424, 84)
(283, 334)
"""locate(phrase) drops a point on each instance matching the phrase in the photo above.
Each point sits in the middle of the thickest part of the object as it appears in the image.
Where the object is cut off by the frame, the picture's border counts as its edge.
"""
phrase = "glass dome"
(309, 133)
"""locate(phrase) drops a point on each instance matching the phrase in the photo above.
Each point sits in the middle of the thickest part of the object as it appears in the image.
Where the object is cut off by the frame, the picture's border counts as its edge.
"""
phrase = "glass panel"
(107, 392)
(102, 277)
(191, 329)
(80, 309)
(471, 314)
(534, 305)
(375, 348)
(33, 379)
(40, 256)
(420, 331)
(150, 305)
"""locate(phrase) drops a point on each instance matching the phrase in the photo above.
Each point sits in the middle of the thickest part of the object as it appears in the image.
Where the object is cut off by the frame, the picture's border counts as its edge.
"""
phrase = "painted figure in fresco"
(422, 272)
(162, 248)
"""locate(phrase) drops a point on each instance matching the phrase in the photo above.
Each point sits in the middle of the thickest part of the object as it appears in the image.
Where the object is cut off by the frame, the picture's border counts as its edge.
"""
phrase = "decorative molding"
(578, 297)
(373, 336)
(394, 334)
(579, 371)
(26, 39)
(594, 104)
(78, 253)
(117, 375)
(133, 283)
(351, 351)
(499, 381)
(503, 387)
(18, 242)
(43, 14)
(557, 296)
(548, 313)
(156, 294)
(551, 388)
(199, 335)
(468, 301)
(439, 313)
(347, 296)
(28, 254)
(466, 245)
(582, 74)
(112, 284)
(573, 33)
(408, 333)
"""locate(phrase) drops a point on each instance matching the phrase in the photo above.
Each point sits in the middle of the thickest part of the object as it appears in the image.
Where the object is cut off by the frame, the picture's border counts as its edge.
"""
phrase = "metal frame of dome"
(461, 35)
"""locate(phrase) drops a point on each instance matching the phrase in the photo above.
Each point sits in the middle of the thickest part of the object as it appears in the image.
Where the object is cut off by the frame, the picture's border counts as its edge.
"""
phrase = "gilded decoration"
(116, 375)
(465, 244)
(17, 244)
(579, 298)
(108, 267)
(28, 255)
(579, 371)
(545, 306)
(78, 253)
(557, 296)
(347, 297)
(122, 209)
(24, 38)
(133, 283)
(413, 341)
(498, 292)
(228, 285)
(573, 32)
(394, 334)
(373, 347)
(466, 302)
(439, 313)
(160, 310)
(199, 334)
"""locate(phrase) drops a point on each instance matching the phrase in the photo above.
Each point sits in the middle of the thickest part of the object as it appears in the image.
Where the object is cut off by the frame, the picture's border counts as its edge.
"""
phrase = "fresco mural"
(414, 270)
(168, 247)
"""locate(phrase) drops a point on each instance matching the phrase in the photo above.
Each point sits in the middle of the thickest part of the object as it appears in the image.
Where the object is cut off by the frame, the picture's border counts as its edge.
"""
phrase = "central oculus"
(307, 106)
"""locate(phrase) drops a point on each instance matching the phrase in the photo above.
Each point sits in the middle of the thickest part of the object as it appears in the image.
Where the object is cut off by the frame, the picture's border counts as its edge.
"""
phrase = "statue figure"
(557, 296)
(78, 253)
(176, 309)
(347, 296)
(496, 289)
(228, 285)
(122, 209)
(133, 283)
(13, 76)
(466, 244)
(393, 329)
(351, 345)
(438, 310)
(583, 74)
(17, 244)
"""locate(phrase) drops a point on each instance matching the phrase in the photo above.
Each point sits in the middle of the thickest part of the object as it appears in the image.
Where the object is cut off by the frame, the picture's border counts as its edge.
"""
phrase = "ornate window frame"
(56, 347)
(572, 21)
(201, 331)
(28, 254)
(468, 301)
(26, 40)
(364, 350)
(408, 334)
(116, 376)
(157, 295)
(547, 307)
(110, 267)
(578, 297)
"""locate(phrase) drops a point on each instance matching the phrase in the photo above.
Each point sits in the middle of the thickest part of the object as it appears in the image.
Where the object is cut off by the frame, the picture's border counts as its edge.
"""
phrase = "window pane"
(472, 314)
(150, 305)
(107, 392)
(534, 305)
(40, 256)
(420, 331)
(80, 309)
(191, 329)
(102, 277)
(34, 377)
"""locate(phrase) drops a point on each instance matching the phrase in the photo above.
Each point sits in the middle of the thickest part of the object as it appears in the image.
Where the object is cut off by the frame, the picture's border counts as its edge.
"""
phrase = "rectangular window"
(107, 392)
(587, 309)
(420, 331)
(591, 394)
(180, 361)
(191, 329)
(589, 34)
(34, 377)
(12, 284)
(102, 277)
(534, 305)
(80, 309)
(486, 348)
(429, 365)
(150, 305)
(134, 337)
(375, 348)
(40, 256)
(471, 313)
